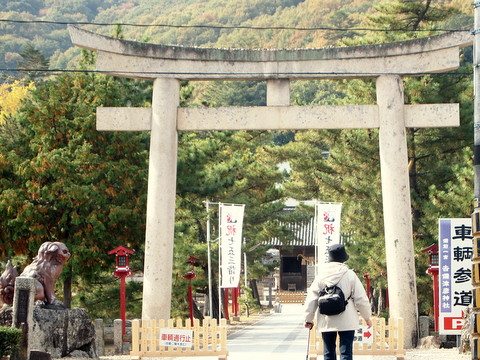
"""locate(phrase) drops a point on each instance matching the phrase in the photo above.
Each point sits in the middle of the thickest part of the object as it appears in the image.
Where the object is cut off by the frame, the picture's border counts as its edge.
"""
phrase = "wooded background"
(61, 180)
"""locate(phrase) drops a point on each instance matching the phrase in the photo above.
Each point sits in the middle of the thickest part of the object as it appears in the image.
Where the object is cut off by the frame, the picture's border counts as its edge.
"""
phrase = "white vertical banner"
(328, 229)
(230, 225)
(455, 250)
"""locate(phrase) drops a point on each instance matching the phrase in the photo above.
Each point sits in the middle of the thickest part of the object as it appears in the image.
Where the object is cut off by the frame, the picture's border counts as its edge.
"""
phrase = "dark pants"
(330, 344)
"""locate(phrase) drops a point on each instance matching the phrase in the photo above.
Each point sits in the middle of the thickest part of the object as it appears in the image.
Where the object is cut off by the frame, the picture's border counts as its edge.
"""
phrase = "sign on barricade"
(176, 337)
(160, 338)
(363, 335)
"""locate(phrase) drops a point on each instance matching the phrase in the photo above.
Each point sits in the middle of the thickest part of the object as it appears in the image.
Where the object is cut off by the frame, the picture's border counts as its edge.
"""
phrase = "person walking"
(335, 272)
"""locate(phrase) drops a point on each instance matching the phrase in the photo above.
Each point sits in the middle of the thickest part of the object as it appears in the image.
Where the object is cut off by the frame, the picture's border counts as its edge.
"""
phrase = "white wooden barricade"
(387, 340)
(290, 297)
(208, 339)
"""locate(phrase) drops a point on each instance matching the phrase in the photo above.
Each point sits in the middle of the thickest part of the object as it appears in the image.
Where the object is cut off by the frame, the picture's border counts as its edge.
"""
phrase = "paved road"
(278, 336)
(281, 336)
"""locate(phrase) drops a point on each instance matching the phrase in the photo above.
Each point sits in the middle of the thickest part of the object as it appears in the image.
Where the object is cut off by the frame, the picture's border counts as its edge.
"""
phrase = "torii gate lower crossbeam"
(167, 65)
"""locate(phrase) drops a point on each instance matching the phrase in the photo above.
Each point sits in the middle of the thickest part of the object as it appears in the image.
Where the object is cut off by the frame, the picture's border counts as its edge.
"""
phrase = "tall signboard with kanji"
(327, 230)
(230, 223)
(455, 256)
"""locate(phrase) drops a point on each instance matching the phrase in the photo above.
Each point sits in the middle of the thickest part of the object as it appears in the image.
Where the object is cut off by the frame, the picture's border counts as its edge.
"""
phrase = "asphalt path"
(277, 336)
(282, 336)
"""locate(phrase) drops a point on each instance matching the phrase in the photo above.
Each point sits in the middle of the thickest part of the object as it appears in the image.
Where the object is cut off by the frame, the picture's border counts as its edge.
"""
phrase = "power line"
(220, 27)
(219, 74)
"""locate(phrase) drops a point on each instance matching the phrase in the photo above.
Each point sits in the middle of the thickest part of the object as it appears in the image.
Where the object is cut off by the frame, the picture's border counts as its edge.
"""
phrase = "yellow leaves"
(4, 163)
(11, 96)
(464, 6)
(111, 191)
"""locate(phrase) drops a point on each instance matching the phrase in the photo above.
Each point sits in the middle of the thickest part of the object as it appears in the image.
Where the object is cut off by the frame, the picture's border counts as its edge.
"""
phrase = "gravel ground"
(436, 354)
(415, 354)
(412, 354)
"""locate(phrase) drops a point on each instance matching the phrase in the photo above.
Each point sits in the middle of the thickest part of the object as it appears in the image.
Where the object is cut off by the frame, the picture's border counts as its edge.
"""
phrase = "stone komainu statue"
(7, 283)
(45, 268)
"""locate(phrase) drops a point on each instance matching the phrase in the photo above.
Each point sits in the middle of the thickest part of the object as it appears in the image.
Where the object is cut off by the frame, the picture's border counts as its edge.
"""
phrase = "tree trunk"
(67, 290)
(197, 314)
(214, 295)
(256, 296)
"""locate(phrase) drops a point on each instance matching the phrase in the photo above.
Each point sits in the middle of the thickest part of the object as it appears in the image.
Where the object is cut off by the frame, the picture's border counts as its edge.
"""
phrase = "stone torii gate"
(167, 65)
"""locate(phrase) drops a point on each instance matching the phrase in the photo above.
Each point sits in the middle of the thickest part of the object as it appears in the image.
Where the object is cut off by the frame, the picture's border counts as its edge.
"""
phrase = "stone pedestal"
(99, 336)
(22, 313)
(424, 326)
(63, 332)
(117, 336)
(120, 341)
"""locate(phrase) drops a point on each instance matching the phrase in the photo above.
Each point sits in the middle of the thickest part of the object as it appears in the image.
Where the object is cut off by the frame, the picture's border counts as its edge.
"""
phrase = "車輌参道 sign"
(455, 273)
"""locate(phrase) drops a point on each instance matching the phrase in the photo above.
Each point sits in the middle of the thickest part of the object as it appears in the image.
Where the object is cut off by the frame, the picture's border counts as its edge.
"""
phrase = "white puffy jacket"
(335, 273)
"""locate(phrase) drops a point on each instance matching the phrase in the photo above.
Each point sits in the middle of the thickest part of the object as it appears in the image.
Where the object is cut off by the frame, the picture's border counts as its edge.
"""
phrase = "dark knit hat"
(337, 253)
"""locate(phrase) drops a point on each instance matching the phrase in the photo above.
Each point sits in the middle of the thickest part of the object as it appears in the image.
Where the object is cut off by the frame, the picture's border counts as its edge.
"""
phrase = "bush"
(247, 301)
(9, 340)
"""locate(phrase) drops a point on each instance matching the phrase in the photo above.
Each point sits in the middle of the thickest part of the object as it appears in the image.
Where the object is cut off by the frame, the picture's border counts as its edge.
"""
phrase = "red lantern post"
(225, 305)
(366, 276)
(234, 301)
(122, 270)
(189, 276)
(433, 270)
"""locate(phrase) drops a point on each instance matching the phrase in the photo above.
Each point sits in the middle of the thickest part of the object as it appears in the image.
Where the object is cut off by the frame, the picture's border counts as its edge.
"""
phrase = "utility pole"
(475, 318)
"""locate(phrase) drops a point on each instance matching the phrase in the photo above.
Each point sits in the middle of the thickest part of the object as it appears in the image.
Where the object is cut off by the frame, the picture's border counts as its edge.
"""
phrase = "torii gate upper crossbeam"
(152, 61)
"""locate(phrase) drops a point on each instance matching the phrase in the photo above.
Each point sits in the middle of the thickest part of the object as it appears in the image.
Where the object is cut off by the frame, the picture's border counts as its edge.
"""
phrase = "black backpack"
(332, 301)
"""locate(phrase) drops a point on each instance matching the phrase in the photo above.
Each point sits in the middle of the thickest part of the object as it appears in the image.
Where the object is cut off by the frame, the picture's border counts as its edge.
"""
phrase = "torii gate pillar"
(396, 201)
(167, 65)
(162, 175)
